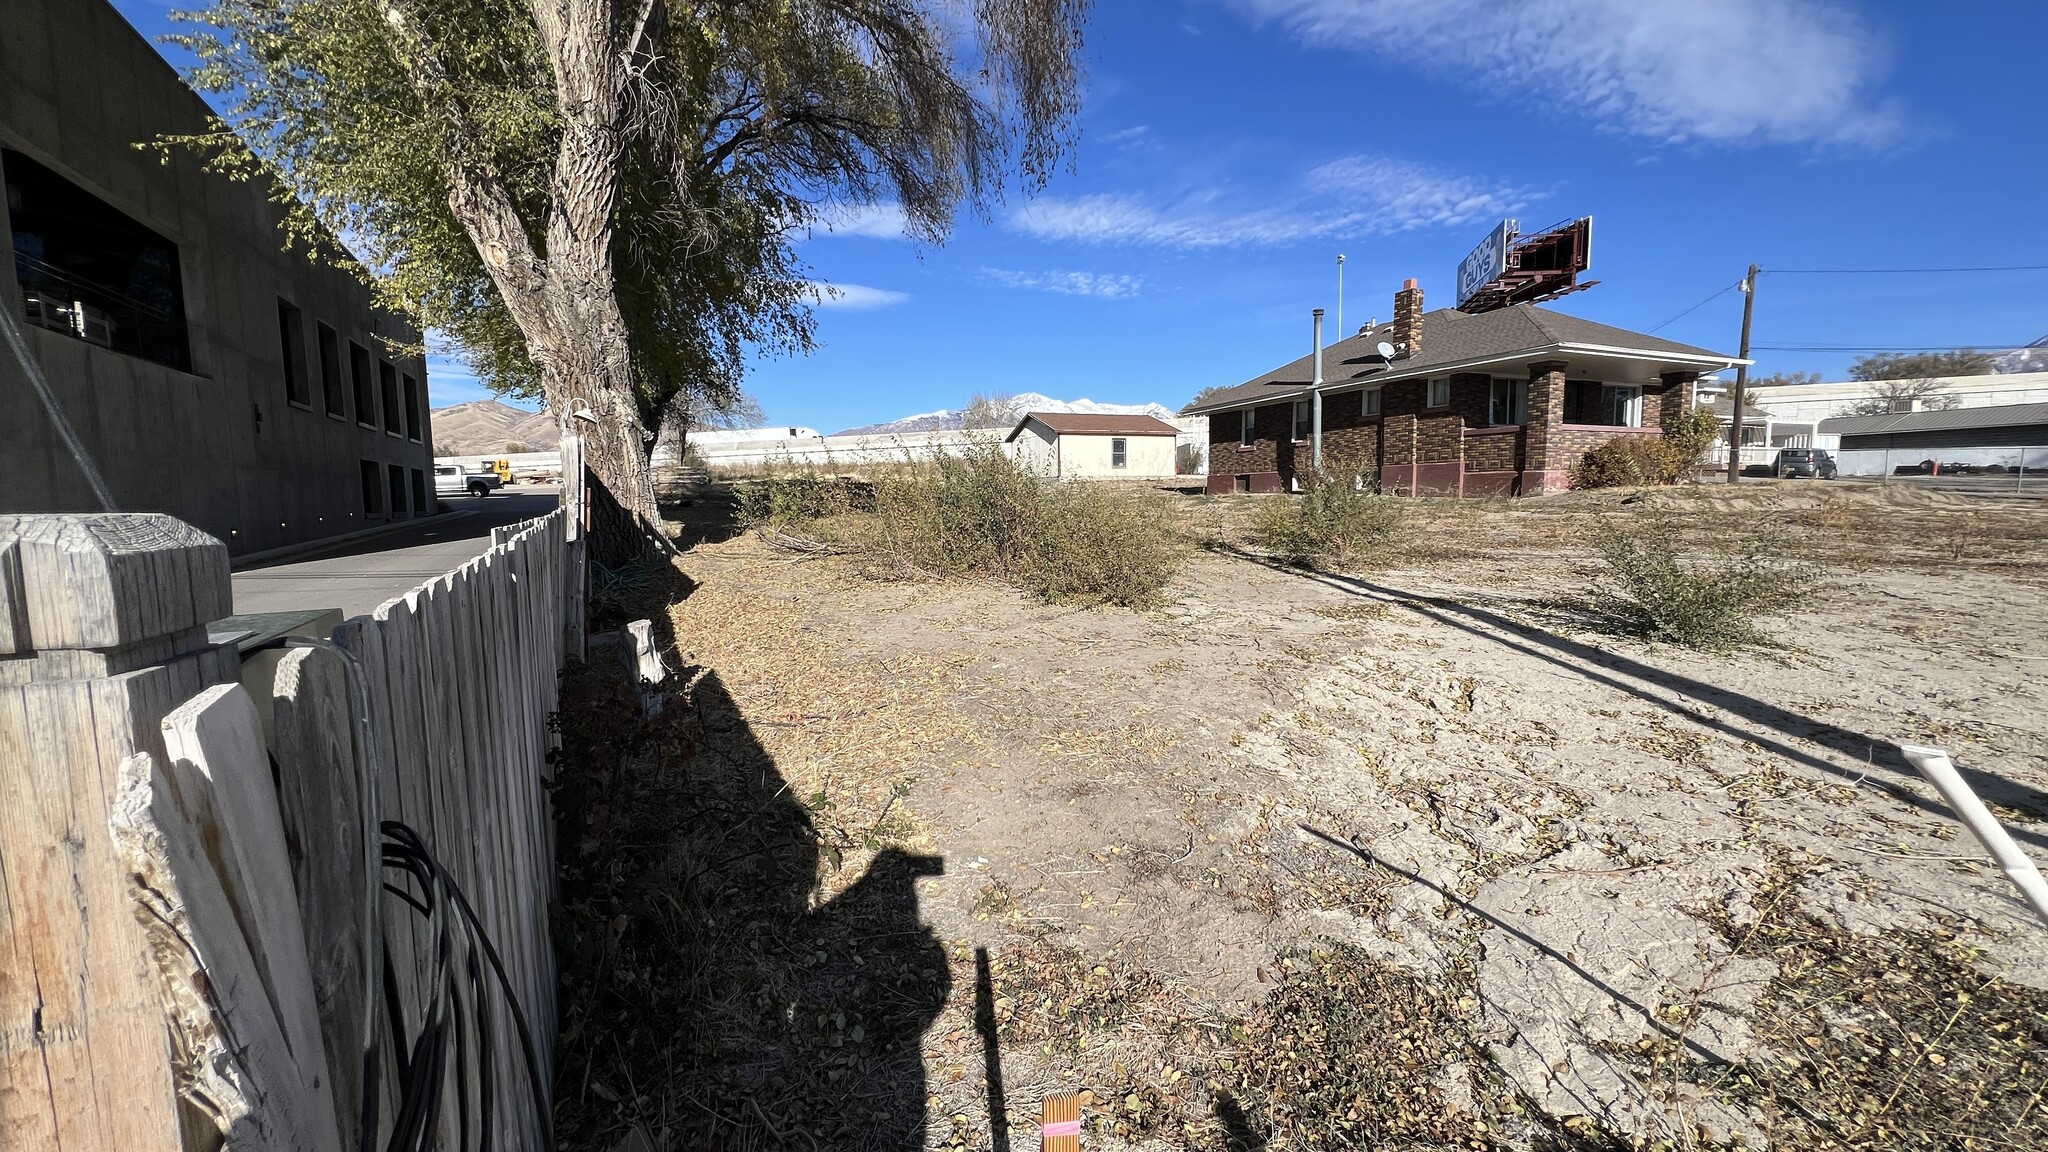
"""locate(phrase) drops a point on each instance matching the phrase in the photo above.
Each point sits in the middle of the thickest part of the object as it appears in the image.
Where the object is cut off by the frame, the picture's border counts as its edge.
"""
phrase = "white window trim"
(1119, 452)
(1632, 404)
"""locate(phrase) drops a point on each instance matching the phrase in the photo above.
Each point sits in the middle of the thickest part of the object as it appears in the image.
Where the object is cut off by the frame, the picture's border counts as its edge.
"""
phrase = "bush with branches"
(1340, 520)
(1708, 602)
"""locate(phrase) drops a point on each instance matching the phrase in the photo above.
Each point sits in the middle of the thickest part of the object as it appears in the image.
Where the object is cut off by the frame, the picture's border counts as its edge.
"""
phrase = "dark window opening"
(366, 396)
(1303, 420)
(1245, 434)
(412, 408)
(1508, 401)
(291, 341)
(394, 420)
(398, 501)
(373, 489)
(331, 387)
(89, 271)
(1117, 454)
(1582, 401)
(419, 492)
(1608, 405)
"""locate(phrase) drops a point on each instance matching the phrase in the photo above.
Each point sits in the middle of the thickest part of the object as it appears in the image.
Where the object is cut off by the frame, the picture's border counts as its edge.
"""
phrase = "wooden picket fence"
(192, 940)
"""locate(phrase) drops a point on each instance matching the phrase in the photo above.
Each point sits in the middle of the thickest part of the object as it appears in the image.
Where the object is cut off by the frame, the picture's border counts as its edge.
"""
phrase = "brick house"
(1497, 403)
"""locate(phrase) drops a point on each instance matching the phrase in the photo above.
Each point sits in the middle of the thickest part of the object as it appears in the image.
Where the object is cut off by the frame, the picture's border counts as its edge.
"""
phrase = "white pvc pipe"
(1934, 764)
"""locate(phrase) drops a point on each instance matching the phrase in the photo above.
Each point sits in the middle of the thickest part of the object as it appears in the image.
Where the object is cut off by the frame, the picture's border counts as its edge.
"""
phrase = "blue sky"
(1231, 149)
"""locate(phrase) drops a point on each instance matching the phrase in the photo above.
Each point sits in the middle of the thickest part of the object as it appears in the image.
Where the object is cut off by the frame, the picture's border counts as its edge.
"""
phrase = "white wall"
(1812, 403)
(1037, 449)
(1145, 457)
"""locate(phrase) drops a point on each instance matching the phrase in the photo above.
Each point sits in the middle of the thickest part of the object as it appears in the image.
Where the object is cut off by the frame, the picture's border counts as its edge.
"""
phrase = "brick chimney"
(1408, 319)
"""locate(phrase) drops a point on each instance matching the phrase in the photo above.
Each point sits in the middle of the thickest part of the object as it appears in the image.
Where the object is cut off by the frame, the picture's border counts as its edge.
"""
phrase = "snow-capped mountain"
(2032, 358)
(946, 418)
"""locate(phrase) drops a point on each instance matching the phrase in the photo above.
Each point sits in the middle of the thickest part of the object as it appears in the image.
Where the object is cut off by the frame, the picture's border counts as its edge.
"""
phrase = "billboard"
(1484, 264)
(1510, 267)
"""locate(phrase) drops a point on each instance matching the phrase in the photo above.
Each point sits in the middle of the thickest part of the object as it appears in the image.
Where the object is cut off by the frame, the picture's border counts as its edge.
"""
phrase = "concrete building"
(1074, 445)
(1995, 440)
(247, 390)
(1497, 403)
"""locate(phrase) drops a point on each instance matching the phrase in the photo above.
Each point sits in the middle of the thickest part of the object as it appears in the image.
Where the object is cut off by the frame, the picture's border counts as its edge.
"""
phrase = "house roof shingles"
(1449, 337)
(1096, 424)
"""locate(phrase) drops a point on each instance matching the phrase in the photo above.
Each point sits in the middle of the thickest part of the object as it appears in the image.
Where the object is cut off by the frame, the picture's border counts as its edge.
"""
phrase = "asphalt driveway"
(357, 577)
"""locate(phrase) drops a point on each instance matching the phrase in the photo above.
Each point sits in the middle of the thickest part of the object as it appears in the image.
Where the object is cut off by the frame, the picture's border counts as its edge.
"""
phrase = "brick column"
(1677, 395)
(1543, 433)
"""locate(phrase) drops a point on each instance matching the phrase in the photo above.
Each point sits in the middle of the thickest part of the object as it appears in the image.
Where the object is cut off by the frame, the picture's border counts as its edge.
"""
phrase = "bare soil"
(1417, 857)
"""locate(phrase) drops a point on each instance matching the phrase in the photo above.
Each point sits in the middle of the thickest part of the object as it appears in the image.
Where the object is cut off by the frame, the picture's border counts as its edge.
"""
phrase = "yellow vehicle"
(503, 469)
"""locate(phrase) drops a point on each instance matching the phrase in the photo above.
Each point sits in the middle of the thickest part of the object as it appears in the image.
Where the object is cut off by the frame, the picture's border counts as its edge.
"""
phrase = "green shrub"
(1339, 521)
(1641, 461)
(1100, 544)
(1690, 434)
(1708, 603)
(790, 497)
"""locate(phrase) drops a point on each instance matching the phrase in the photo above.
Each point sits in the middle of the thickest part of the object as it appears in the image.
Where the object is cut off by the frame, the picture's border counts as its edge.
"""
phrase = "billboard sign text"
(1485, 264)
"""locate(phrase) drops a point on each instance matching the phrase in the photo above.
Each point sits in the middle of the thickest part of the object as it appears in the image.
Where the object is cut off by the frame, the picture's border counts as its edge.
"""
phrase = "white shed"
(1089, 444)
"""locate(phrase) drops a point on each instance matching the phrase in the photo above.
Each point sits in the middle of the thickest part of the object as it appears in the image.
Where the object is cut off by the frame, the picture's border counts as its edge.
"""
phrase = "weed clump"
(1340, 521)
(1637, 461)
(1708, 603)
(982, 515)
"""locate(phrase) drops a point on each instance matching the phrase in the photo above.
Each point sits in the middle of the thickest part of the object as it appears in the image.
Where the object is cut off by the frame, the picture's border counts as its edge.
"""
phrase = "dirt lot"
(1415, 857)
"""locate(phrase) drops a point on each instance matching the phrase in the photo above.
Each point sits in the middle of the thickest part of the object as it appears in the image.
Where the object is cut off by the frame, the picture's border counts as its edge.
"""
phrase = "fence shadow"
(1769, 726)
(708, 990)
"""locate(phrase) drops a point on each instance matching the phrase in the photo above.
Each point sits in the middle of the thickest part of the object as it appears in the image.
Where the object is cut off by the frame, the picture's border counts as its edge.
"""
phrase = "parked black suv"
(1807, 462)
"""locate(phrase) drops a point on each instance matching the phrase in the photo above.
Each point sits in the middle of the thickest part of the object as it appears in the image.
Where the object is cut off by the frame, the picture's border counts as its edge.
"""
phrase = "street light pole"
(1741, 378)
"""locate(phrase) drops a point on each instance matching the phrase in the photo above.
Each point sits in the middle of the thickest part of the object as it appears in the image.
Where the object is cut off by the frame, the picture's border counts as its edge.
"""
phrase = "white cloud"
(1352, 196)
(1107, 286)
(874, 221)
(852, 297)
(1781, 71)
(1122, 135)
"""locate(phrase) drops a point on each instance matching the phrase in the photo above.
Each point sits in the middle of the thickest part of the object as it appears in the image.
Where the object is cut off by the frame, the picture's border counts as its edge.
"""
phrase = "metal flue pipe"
(1315, 399)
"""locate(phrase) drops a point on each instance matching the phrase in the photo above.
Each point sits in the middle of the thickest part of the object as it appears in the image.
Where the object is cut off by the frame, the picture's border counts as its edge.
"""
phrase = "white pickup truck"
(451, 480)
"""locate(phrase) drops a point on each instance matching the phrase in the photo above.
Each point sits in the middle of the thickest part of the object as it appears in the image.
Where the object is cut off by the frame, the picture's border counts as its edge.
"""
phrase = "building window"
(1609, 405)
(1245, 433)
(412, 408)
(1508, 403)
(419, 492)
(1440, 392)
(398, 501)
(1117, 444)
(373, 489)
(291, 340)
(1303, 420)
(331, 388)
(366, 394)
(89, 271)
(394, 417)
(1369, 402)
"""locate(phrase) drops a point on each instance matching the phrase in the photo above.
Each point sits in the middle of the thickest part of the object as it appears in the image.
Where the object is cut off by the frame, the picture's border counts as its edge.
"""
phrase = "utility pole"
(1340, 295)
(1741, 378)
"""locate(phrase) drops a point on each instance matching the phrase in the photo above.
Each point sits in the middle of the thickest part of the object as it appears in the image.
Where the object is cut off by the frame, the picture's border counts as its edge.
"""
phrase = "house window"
(89, 271)
(331, 388)
(412, 408)
(1440, 392)
(373, 488)
(398, 501)
(394, 419)
(366, 395)
(1508, 403)
(1117, 455)
(1621, 406)
(1245, 435)
(1303, 417)
(291, 340)
(419, 492)
(1369, 402)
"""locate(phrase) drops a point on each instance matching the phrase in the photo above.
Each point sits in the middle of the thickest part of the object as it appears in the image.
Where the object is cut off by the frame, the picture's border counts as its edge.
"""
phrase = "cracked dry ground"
(1414, 858)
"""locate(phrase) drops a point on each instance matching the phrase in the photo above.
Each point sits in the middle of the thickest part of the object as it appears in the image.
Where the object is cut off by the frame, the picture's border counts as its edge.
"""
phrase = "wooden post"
(1741, 396)
(102, 632)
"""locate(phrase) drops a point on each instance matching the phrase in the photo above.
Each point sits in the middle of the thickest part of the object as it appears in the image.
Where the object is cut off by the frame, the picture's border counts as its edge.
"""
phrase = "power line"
(1900, 271)
(1698, 306)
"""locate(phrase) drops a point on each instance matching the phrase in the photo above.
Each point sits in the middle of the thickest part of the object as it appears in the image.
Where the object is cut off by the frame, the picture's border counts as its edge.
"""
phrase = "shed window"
(89, 271)
(1303, 420)
(1117, 455)
(1440, 392)
(1369, 402)
(1508, 402)
(1245, 434)
(291, 341)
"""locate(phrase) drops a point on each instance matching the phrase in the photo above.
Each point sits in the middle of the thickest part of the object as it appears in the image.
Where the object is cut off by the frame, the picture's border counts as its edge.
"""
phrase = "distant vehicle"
(451, 480)
(1811, 463)
(502, 469)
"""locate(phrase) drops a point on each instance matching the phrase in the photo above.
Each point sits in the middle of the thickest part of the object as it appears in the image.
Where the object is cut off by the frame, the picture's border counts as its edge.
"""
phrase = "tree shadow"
(713, 994)
(1240, 1132)
(1739, 716)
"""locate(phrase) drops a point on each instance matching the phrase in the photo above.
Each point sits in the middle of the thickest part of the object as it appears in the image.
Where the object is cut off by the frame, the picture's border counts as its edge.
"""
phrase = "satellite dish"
(1385, 350)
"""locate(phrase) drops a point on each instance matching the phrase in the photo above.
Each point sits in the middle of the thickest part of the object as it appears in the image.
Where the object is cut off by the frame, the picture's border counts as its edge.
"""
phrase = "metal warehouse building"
(2003, 438)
